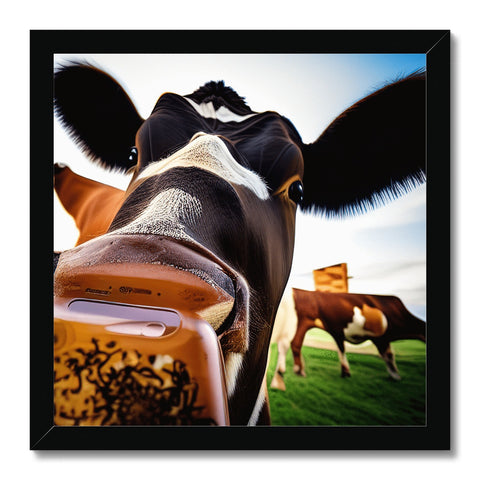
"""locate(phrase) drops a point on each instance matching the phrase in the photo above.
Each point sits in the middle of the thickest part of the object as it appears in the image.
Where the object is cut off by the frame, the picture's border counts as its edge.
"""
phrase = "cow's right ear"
(371, 153)
(97, 113)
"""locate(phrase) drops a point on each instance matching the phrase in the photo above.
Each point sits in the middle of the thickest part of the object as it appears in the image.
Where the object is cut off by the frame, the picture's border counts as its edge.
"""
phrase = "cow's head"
(213, 194)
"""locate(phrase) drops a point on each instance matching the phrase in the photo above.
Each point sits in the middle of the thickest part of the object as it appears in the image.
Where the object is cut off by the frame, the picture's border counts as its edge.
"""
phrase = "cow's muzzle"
(158, 271)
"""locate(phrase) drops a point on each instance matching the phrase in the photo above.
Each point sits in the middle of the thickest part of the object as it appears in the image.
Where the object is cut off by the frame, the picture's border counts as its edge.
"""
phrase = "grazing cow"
(351, 317)
(213, 195)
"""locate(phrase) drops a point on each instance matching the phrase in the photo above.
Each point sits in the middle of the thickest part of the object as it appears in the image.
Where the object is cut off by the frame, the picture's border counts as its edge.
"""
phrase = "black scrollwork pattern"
(105, 385)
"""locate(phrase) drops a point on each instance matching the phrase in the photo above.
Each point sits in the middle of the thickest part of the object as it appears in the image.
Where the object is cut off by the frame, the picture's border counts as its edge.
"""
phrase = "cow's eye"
(133, 155)
(295, 191)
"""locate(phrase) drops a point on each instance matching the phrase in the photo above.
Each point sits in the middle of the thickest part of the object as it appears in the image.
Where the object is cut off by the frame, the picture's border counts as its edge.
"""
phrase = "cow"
(213, 195)
(351, 317)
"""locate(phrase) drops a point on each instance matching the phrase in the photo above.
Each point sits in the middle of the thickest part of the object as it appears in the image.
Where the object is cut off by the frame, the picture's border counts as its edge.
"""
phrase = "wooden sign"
(331, 279)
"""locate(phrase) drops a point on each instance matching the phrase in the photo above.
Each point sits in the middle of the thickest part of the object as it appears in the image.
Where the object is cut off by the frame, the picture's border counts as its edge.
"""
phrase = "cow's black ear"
(371, 153)
(97, 113)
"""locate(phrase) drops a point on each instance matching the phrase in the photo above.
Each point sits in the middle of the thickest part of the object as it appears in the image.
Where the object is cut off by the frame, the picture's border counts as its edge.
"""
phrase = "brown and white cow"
(351, 317)
(214, 191)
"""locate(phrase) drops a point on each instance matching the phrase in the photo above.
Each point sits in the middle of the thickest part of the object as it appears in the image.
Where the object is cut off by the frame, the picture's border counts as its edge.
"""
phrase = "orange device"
(125, 364)
(133, 345)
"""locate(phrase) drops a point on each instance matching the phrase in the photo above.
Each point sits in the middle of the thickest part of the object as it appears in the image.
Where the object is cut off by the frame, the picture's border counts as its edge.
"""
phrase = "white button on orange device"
(147, 329)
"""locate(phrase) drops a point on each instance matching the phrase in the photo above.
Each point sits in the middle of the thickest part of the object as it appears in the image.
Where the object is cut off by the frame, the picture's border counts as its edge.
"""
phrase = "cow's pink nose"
(146, 270)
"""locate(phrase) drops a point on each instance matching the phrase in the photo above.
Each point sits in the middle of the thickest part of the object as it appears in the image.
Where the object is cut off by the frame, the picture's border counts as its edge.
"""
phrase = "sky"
(385, 249)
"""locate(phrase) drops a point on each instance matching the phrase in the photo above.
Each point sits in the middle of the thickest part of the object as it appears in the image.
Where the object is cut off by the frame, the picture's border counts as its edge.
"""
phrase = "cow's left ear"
(97, 113)
(372, 152)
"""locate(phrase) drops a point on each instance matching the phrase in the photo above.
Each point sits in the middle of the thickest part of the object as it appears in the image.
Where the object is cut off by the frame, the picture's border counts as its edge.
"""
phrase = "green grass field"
(368, 397)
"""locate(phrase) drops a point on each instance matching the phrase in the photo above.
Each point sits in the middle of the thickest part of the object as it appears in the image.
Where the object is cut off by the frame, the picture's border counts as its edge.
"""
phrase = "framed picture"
(333, 205)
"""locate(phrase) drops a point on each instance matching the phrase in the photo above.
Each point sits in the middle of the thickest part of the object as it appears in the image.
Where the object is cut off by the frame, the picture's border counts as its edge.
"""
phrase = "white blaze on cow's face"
(207, 110)
(175, 207)
(208, 152)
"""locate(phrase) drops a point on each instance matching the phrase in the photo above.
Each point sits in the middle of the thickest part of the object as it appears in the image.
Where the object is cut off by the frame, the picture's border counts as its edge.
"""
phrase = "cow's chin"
(158, 271)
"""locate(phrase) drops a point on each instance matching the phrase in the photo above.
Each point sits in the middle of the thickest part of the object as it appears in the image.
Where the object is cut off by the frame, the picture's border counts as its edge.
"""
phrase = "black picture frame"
(435, 435)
